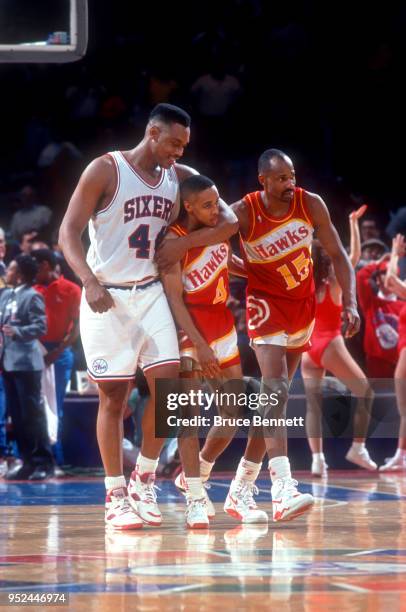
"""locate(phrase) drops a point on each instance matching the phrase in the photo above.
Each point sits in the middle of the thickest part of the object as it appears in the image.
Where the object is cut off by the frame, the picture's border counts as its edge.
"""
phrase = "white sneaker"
(196, 514)
(240, 503)
(361, 457)
(142, 496)
(119, 513)
(319, 466)
(396, 463)
(180, 484)
(287, 502)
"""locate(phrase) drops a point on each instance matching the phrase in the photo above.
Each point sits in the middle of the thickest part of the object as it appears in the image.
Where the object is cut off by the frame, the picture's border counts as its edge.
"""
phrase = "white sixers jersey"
(124, 235)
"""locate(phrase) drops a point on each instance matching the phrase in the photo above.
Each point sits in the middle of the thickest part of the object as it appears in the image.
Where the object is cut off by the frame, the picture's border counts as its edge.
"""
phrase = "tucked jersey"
(277, 251)
(204, 272)
(125, 234)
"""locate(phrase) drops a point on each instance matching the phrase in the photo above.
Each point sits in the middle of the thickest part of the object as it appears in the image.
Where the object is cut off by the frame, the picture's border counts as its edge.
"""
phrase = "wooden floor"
(349, 553)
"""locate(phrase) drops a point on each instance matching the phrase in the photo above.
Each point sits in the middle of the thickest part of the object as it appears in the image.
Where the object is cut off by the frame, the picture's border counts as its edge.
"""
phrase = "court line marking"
(337, 486)
(351, 587)
(365, 552)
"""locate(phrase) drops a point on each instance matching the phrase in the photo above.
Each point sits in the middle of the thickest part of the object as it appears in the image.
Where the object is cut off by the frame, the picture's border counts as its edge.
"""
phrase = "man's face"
(42, 275)
(368, 230)
(26, 242)
(204, 206)
(372, 252)
(168, 142)
(279, 179)
(12, 274)
(2, 248)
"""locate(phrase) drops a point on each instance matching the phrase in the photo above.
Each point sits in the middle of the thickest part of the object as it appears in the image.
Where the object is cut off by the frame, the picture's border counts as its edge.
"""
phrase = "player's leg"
(338, 360)
(277, 367)
(113, 398)
(142, 481)
(313, 379)
(398, 461)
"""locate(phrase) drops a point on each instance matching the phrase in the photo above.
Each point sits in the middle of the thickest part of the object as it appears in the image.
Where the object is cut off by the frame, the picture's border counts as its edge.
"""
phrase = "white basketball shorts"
(137, 331)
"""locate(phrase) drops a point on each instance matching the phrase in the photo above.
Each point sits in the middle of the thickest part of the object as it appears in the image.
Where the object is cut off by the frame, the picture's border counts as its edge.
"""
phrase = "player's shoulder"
(183, 172)
(313, 199)
(175, 230)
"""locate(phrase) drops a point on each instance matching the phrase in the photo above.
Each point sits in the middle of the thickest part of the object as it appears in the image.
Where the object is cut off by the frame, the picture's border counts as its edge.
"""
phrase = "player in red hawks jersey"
(198, 290)
(276, 230)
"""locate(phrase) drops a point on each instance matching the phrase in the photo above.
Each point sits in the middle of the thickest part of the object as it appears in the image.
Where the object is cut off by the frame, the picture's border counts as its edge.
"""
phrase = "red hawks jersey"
(204, 272)
(277, 251)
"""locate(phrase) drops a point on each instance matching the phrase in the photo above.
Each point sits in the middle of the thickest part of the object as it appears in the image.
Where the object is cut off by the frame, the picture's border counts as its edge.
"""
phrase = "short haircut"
(28, 267)
(194, 184)
(168, 113)
(266, 158)
(41, 255)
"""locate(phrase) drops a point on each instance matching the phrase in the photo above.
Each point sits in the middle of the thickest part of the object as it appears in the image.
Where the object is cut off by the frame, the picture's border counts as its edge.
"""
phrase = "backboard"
(48, 31)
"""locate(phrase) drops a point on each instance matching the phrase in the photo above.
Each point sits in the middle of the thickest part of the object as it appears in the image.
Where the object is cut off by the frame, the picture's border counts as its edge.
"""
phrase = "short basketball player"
(276, 230)
(198, 289)
(129, 198)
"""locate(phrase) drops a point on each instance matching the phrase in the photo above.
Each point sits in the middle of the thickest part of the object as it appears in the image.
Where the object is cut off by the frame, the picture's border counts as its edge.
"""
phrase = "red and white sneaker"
(181, 485)
(119, 513)
(196, 514)
(240, 503)
(142, 496)
(287, 502)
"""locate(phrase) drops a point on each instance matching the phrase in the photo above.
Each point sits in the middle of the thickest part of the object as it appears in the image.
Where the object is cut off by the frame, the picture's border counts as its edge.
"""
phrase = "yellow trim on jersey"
(223, 361)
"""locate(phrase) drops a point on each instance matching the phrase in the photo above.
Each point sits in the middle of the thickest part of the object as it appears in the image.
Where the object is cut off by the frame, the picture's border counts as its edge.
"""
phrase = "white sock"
(247, 470)
(145, 465)
(194, 487)
(114, 482)
(358, 445)
(318, 456)
(279, 467)
(205, 468)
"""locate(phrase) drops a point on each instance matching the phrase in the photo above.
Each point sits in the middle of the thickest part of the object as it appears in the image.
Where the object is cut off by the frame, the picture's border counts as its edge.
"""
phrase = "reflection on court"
(350, 551)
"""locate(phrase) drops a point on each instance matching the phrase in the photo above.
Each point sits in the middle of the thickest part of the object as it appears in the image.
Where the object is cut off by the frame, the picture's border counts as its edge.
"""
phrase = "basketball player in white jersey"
(128, 198)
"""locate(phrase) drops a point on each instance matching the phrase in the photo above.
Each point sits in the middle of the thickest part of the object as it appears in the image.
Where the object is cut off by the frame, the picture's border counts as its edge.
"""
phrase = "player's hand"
(169, 253)
(8, 330)
(351, 321)
(357, 214)
(208, 361)
(399, 245)
(97, 296)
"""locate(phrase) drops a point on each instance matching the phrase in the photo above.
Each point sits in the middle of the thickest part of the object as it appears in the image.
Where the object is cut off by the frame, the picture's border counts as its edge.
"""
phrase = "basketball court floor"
(348, 553)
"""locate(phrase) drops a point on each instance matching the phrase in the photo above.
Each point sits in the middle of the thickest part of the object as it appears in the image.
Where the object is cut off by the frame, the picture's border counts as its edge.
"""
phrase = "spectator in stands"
(371, 250)
(62, 301)
(369, 229)
(381, 309)
(22, 322)
(3, 437)
(31, 215)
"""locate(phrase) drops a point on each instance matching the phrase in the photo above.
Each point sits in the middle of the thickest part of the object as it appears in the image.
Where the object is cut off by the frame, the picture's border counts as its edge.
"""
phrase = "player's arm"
(172, 282)
(330, 240)
(171, 252)
(355, 238)
(92, 187)
(236, 265)
(392, 280)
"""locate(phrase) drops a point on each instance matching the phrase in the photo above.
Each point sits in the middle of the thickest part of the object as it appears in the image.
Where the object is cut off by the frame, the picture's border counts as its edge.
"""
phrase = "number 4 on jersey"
(139, 240)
